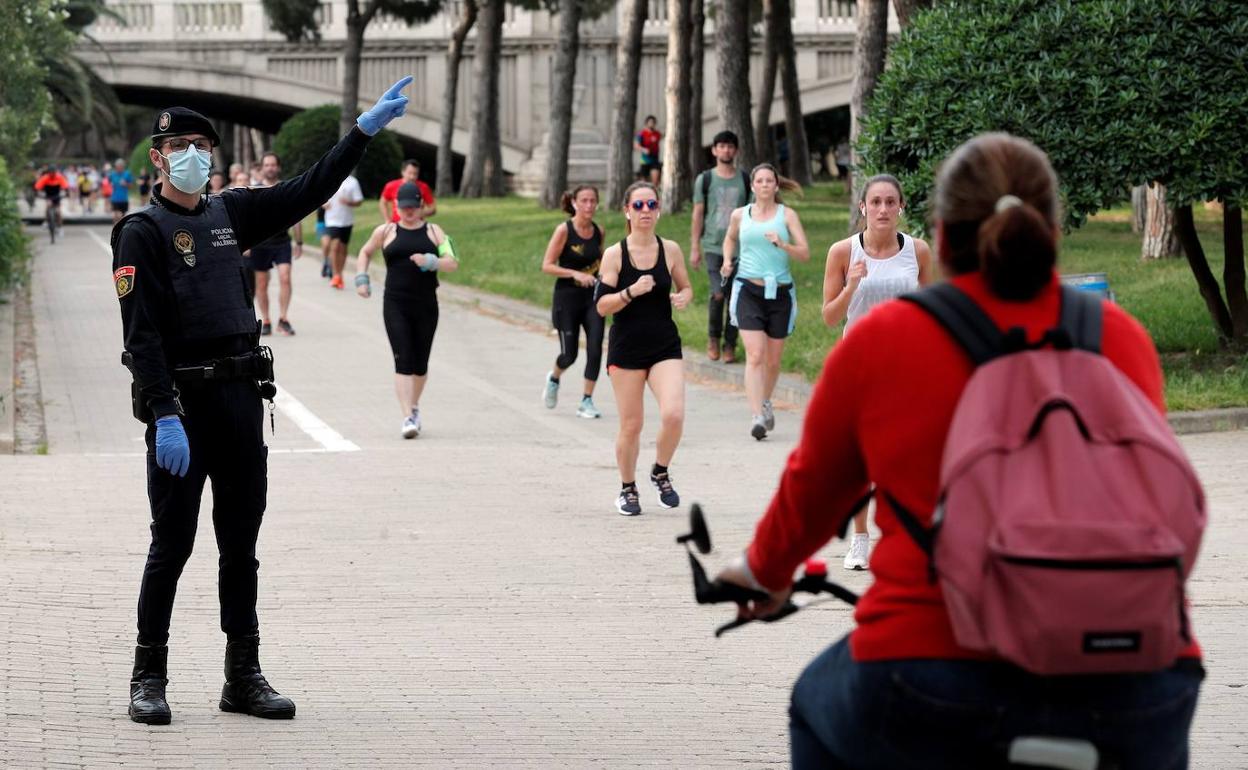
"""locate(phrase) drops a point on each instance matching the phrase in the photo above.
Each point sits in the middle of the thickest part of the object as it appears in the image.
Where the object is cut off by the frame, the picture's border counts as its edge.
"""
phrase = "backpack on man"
(1069, 516)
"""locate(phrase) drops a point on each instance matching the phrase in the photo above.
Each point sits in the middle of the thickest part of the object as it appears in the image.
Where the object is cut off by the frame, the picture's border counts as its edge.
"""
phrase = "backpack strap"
(1081, 318)
(965, 321)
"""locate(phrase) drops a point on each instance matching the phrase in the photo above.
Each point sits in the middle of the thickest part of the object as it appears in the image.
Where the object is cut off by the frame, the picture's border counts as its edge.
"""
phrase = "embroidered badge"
(123, 279)
(164, 121)
(184, 244)
(577, 248)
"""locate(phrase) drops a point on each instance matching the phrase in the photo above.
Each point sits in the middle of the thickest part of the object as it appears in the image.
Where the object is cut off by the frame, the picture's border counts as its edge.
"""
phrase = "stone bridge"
(221, 57)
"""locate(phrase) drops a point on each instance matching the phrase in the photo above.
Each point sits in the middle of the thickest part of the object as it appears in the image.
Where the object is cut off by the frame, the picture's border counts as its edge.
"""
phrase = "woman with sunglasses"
(636, 285)
(764, 301)
(573, 256)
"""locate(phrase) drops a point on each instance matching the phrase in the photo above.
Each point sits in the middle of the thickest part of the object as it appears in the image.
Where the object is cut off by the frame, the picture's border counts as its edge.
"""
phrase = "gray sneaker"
(588, 410)
(550, 392)
(758, 429)
(769, 417)
(411, 426)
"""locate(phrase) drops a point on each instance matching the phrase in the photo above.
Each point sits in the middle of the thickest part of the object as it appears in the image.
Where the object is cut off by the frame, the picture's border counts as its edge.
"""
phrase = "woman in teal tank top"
(767, 234)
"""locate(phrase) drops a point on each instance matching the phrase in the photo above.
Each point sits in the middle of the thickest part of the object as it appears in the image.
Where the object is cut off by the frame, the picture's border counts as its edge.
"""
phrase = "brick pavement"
(468, 598)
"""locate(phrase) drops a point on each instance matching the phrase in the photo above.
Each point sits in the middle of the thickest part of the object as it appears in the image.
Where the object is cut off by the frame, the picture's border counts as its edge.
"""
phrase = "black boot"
(147, 685)
(246, 691)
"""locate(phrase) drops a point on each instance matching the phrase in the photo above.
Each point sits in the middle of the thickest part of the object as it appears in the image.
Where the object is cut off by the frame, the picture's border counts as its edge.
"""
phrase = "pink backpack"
(1069, 516)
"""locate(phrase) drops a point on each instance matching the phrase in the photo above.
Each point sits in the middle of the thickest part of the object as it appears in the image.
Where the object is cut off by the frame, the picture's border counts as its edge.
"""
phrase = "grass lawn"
(501, 242)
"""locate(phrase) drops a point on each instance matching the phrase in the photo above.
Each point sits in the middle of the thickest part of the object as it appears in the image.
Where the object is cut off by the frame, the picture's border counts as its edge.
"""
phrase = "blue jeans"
(934, 714)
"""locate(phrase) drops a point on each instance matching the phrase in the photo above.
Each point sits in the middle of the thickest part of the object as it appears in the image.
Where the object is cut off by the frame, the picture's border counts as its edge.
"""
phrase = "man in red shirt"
(410, 172)
(647, 141)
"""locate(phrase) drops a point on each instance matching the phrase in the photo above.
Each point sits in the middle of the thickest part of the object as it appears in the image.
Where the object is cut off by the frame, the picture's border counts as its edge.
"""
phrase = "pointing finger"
(394, 90)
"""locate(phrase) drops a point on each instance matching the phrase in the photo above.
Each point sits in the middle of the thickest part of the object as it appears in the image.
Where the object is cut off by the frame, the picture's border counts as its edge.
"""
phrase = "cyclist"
(899, 691)
(52, 183)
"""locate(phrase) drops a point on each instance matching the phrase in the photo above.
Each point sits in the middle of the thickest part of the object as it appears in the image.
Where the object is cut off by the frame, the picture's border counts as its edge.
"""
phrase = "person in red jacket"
(898, 692)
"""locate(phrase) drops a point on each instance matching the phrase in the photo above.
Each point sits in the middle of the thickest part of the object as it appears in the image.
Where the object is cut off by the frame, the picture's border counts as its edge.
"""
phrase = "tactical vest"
(207, 271)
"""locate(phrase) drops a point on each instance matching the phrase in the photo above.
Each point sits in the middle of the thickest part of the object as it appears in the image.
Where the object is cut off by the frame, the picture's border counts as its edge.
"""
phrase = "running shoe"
(336, 282)
(769, 417)
(587, 409)
(667, 494)
(284, 327)
(411, 427)
(266, 329)
(758, 429)
(326, 270)
(550, 393)
(628, 503)
(859, 547)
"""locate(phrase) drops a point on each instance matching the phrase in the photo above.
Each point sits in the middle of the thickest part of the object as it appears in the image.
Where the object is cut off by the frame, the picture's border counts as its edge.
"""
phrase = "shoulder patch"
(123, 279)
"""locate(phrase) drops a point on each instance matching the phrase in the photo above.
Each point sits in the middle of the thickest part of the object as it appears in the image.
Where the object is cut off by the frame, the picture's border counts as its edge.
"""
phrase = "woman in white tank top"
(864, 270)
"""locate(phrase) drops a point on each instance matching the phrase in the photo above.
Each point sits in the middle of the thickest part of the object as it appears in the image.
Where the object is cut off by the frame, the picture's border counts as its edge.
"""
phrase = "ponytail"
(1017, 251)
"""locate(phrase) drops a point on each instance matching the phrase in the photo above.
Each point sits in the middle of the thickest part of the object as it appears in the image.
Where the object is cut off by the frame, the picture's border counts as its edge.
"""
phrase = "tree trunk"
(766, 95)
(627, 73)
(697, 58)
(676, 175)
(450, 95)
(1139, 208)
(732, 55)
(1185, 226)
(353, 50)
(1233, 278)
(562, 89)
(906, 9)
(869, 50)
(794, 121)
(483, 171)
(1160, 239)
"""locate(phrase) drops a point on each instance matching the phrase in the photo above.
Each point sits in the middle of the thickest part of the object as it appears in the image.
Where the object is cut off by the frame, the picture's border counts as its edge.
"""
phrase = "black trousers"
(224, 426)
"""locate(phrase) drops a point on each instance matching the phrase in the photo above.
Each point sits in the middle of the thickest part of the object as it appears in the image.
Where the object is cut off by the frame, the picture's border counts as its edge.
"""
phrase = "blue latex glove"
(427, 262)
(391, 105)
(173, 453)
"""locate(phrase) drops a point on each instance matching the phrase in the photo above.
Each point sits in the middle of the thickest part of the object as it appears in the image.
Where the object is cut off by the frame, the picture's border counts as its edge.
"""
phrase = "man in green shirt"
(716, 193)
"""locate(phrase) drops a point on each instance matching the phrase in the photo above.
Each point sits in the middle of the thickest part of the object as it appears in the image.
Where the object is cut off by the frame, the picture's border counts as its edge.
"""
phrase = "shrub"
(1117, 92)
(13, 242)
(139, 160)
(305, 137)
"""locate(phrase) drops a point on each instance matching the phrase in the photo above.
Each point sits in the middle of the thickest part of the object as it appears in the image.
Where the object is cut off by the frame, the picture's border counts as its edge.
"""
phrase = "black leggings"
(571, 311)
(410, 324)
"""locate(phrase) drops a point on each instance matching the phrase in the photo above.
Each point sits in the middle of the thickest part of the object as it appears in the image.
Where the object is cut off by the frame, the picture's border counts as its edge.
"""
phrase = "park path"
(466, 598)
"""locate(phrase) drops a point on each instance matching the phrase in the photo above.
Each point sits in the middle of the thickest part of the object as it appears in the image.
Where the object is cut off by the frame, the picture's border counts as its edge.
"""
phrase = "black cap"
(179, 121)
(409, 195)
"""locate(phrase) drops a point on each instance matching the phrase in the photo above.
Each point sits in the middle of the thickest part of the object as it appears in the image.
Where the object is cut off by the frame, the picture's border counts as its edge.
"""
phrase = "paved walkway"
(467, 598)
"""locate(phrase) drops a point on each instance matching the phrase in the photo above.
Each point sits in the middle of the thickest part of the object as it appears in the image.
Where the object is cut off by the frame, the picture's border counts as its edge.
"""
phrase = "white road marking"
(303, 418)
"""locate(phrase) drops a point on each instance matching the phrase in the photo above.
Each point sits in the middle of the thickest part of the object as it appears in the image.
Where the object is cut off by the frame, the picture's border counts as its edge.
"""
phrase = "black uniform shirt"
(149, 315)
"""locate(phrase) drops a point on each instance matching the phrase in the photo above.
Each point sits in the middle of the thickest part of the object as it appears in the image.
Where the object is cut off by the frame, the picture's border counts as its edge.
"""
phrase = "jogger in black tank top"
(415, 252)
(643, 277)
(573, 256)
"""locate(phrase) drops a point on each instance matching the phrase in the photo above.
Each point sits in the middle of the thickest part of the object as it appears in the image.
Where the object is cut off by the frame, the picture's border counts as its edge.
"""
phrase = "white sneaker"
(411, 424)
(769, 417)
(550, 392)
(859, 548)
(758, 427)
(588, 410)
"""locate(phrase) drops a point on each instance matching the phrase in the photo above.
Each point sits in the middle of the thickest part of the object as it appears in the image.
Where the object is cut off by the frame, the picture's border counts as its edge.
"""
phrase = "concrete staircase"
(587, 164)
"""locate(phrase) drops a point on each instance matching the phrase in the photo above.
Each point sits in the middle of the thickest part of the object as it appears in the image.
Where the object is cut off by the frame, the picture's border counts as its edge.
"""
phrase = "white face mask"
(188, 170)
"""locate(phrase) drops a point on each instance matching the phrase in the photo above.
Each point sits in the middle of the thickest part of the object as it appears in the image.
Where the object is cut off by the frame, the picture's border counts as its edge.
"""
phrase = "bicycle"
(1041, 751)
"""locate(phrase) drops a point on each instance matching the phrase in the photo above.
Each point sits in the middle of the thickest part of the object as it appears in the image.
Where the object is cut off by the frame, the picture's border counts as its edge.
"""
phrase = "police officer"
(191, 342)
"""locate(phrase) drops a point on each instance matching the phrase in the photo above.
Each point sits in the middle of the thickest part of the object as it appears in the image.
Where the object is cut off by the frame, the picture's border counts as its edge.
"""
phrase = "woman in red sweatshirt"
(898, 692)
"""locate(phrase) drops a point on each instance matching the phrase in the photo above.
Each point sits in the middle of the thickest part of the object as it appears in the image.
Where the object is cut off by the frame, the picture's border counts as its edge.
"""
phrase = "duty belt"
(256, 365)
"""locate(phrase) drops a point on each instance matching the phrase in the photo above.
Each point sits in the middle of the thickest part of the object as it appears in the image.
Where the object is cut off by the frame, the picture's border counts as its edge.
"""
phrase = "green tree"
(1117, 92)
(24, 102)
(307, 136)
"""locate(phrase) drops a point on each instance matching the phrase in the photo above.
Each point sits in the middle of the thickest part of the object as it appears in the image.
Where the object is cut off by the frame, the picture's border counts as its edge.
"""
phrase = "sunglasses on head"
(651, 204)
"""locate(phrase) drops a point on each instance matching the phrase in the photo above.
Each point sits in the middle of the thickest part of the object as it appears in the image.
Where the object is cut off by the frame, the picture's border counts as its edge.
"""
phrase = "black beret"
(179, 121)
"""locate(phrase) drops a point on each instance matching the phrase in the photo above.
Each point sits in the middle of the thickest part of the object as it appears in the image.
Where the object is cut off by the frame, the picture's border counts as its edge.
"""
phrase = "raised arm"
(838, 287)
